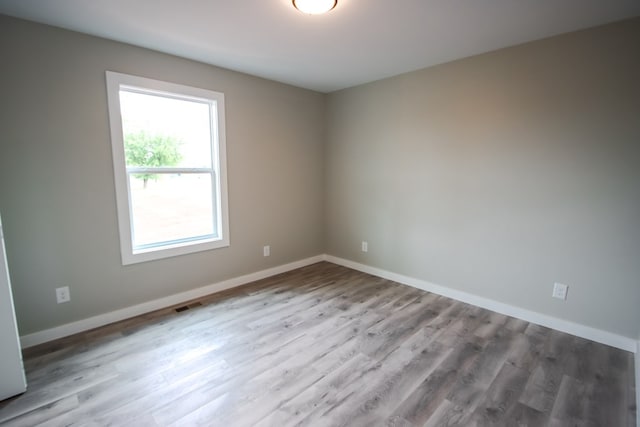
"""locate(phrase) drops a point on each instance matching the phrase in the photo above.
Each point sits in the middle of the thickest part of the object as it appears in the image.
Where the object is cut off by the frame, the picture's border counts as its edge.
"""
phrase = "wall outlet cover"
(63, 294)
(560, 291)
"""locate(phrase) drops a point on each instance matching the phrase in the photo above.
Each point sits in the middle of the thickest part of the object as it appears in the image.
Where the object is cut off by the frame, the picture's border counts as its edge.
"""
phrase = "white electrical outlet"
(63, 295)
(560, 291)
(365, 246)
(266, 251)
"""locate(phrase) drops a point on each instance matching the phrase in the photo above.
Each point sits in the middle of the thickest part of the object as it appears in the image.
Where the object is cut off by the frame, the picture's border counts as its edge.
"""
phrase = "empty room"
(319, 213)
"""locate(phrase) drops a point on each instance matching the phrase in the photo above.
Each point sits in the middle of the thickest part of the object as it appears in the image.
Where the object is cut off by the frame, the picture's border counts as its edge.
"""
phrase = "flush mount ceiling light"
(314, 7)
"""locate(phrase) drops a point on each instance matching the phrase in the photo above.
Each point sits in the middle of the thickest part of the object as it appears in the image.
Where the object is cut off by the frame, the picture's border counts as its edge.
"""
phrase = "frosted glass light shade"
(314, 7)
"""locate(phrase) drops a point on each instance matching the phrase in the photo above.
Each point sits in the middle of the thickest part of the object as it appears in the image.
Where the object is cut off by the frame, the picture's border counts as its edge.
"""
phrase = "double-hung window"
(168, 145)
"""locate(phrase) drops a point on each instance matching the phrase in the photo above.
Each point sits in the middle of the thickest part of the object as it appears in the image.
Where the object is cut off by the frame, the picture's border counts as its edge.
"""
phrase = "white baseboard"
(572, 328)
(136, 310)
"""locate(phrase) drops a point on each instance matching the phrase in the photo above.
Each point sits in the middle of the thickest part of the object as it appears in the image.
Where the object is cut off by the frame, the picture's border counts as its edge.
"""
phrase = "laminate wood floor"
(325, 346)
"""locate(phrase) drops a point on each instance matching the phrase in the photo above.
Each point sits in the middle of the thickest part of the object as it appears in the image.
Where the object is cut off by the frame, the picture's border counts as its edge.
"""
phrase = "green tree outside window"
(142, 149)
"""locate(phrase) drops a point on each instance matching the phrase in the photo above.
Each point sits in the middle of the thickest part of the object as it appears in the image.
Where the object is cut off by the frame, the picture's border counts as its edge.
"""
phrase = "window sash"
(159, 170)
(215, 221)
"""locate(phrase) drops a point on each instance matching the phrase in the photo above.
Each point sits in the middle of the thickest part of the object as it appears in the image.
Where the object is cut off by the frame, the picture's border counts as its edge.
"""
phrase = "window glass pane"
(165, 132)
(171, 208)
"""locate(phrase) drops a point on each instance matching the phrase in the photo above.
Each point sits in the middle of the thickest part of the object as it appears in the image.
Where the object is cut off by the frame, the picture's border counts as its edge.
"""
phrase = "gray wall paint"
(496, 175)
(56, 180)
(500, 174)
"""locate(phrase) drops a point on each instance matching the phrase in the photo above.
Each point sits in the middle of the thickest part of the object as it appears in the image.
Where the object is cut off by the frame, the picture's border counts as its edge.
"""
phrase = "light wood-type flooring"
(325, 346)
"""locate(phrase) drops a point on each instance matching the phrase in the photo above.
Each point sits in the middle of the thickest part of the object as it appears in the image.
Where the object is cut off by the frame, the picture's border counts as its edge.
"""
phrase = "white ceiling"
(359, 41)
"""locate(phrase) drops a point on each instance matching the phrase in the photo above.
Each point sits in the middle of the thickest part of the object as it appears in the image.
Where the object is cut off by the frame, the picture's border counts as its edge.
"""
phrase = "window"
(168, 146)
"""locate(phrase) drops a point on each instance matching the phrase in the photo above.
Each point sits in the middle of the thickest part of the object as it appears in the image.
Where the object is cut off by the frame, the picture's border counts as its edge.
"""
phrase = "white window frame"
(130, 255)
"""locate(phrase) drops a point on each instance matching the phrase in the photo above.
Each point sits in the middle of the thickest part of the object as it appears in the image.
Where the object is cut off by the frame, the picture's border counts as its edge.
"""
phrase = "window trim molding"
(115, 81)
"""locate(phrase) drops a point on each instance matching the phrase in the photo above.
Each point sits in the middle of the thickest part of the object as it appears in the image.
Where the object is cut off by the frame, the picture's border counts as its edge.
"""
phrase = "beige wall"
(500, 174)
(56, 180)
